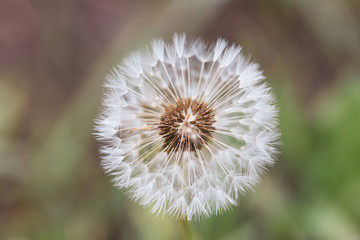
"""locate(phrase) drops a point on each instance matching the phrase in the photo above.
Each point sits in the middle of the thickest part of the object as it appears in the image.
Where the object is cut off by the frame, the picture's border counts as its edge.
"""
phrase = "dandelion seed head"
(186, 126)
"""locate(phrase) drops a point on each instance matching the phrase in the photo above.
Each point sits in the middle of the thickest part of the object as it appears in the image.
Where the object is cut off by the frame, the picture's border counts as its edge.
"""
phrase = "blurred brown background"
(53, 59)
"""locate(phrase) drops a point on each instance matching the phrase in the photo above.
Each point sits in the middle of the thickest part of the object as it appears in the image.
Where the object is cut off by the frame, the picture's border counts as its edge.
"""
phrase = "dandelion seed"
(186, 127)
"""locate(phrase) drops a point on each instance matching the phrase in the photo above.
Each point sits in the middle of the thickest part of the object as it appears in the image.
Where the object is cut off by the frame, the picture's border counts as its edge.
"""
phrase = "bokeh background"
(53, 59)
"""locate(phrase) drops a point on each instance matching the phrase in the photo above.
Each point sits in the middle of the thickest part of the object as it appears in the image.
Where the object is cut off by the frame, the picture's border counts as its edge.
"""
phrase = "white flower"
(187, 126)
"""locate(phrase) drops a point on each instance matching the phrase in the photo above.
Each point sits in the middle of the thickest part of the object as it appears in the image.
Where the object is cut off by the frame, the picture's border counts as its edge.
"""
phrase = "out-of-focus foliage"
(53, 59)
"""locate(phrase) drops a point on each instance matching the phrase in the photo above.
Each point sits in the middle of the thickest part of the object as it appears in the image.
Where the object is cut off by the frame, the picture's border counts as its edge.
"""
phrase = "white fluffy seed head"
(187, 127)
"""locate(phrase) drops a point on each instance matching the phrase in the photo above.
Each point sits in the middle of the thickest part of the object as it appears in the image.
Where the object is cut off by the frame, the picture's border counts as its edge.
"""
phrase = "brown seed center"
(186, 125)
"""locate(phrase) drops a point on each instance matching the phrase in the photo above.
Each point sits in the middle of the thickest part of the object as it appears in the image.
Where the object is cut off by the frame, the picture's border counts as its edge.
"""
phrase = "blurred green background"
(53, 59)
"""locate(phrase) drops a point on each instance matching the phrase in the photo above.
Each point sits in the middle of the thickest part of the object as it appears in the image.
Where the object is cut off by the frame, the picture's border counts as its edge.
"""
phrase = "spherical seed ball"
(186, 127)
